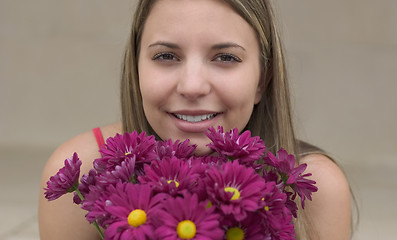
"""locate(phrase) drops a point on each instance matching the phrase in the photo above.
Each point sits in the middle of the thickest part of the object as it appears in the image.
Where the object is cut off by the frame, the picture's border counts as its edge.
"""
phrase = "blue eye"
(226, 57)
(165, 57)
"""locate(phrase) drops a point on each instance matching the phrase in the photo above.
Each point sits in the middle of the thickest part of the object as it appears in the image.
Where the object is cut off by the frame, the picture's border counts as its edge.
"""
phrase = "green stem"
(95, 222)
(99, 230)
(79, 194)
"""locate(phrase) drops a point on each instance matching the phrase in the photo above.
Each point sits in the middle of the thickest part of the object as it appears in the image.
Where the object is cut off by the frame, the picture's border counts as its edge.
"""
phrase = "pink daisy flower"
(277, 218)
(211, 160)
(292, 176)
(146, 189)
(65, 181)
(86, 181)
(125, 146)
(177, 149)
(244, 148)
(132, 206)
(172, 176)
(125, 172)
(98, 187)
(250, 228)
(99, 182)
(95, 181)
(187, 218)
(96, 201)
(234, 189)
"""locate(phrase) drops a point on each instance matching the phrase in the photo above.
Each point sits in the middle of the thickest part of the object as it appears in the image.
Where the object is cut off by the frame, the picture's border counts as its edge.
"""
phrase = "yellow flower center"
(137, 217)
(235, 234)
(176, 183)
(266, 208)
(127, 153)
(236, 193)
(209, 204)
(186, 229)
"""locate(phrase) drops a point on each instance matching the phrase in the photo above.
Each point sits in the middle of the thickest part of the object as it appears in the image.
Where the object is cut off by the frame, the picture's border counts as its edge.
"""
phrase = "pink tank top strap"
(98, 136)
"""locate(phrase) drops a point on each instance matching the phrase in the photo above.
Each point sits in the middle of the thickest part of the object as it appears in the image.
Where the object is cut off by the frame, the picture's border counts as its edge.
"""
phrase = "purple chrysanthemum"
(277, 218)
(272, 176)
(95, 202)
(121, 147)
(132, 206)
(177, 149)
(125, 172)
(95, 181)
(291, 204)
(234, 189)
(244, 148)
(284, 231)
(181, 196)
(172, 176)
(211, 160)
(302, 186)
(284, 163)
(86, 181)
(273, 201)
(187, 218)
(292, 176)
(66, 180)
(249, 228)
(96, 196)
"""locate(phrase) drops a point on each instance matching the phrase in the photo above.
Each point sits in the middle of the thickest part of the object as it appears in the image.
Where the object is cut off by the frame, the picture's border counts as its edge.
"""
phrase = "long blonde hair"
(271, 118)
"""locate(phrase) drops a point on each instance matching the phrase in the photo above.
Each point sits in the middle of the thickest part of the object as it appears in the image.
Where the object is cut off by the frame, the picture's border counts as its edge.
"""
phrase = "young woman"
(193, 64)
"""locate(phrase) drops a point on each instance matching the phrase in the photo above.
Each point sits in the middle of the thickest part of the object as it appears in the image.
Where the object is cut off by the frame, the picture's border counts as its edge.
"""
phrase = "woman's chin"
(202, 150)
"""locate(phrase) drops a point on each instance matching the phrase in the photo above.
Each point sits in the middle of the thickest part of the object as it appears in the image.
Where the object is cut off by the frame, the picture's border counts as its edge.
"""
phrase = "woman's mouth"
(195, 119)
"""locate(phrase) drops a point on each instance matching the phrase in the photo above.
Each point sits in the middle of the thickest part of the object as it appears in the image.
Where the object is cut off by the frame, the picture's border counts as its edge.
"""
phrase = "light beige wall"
(343, 64)
(59, 70)
(59, 67)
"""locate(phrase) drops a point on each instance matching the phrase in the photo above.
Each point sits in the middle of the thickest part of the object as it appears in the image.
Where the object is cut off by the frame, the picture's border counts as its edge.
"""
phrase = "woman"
(190, 65)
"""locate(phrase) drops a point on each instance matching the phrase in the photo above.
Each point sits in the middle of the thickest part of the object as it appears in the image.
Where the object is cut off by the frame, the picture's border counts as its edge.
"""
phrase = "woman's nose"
(193, 82)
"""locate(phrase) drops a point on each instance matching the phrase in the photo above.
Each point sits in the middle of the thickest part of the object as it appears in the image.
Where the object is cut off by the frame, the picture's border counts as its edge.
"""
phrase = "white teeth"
(194, 119)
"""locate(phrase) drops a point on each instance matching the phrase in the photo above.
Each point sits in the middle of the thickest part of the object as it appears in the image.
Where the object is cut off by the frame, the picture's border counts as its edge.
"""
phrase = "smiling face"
(198, 67)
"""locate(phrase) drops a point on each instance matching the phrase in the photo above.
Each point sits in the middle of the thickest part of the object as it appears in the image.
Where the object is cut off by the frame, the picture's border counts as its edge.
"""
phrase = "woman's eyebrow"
(216, 46)
(165, 44)
(227, 45)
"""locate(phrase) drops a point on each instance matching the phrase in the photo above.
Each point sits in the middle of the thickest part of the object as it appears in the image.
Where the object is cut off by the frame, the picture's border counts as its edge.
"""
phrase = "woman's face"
(198, 67)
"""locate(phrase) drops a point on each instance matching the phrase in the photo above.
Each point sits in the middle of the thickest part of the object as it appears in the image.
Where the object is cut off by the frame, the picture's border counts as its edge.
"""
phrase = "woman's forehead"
(189, 20)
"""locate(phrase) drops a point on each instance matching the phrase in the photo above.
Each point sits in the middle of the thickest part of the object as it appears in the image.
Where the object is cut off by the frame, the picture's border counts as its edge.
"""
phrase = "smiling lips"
(194, 119)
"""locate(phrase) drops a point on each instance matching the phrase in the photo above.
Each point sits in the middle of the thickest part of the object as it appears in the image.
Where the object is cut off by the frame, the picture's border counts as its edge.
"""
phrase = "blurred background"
(59, 76)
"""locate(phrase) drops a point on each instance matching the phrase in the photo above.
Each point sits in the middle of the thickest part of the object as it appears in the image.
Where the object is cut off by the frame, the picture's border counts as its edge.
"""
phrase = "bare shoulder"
(330, 210)
(326, 173)
(61, 219)
(84, 144)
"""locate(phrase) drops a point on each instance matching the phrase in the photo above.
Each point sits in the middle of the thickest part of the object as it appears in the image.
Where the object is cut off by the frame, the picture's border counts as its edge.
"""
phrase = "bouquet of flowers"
(146, 189)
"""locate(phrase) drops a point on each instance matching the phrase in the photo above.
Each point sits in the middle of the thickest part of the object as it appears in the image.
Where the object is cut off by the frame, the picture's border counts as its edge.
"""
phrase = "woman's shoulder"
(331, 204)
(85, 145)
(325, 170)
(61, 219)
